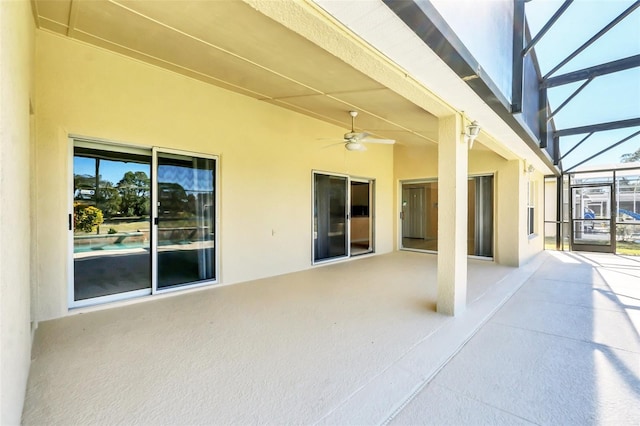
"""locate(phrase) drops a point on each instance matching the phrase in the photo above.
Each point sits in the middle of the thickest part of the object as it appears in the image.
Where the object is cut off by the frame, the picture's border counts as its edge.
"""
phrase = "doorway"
(592, 223)
(361, 229)
(142, 222)
(419, 216)
(343, 219)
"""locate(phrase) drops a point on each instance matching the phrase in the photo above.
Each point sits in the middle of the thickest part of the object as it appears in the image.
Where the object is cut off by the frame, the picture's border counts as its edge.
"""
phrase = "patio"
(324, 345)
(357, 343)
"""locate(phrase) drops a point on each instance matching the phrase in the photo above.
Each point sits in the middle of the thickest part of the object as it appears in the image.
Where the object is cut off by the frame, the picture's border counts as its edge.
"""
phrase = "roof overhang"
(294, 55)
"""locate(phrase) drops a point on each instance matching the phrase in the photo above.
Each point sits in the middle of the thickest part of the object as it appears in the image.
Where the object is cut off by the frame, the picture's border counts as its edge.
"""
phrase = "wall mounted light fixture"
(471, 132)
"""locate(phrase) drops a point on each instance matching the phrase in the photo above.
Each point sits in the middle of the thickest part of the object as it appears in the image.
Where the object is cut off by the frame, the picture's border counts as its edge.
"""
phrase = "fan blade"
(333, 144)
(376, 140)
(332, 139)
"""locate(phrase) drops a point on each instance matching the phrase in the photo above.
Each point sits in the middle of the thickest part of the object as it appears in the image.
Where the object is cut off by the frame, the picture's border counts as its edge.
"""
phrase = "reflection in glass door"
(591, 218)
(419, 216)
(361, 236)
(111, 224)
(118, 251)
(330, 217)
(480, 216)
(185, 219)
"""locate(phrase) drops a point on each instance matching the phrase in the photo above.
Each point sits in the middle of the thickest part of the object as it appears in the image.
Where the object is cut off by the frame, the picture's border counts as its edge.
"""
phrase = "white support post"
(452, 216)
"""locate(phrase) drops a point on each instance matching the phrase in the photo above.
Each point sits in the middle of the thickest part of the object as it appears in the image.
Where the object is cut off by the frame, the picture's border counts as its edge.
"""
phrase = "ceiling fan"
(353, 141)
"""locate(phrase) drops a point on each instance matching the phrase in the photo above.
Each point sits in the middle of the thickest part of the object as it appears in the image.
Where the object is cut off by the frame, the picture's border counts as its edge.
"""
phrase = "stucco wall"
(267, 155)
(486, 30)
(16, 55)
(533, 244)
(512, 245)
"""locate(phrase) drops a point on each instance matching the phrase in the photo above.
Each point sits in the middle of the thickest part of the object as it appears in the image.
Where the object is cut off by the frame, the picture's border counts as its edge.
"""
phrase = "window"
(531, 207)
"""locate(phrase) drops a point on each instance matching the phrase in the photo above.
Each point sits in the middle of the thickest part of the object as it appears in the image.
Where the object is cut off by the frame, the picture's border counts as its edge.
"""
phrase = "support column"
(452, 216)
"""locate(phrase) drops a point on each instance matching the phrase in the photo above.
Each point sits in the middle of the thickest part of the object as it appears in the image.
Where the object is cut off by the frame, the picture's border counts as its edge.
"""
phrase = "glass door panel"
(185, 220)
(591, 218)
(330, 217)
(420, 216)
(628, 212)
(111, 223)
(482, 210)
(361, 219)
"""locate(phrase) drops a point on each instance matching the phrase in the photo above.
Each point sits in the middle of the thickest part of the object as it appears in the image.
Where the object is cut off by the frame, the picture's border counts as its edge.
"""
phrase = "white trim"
(154, 217)
(110, 298)
(180, 287)
(110, 145)
(70, 242)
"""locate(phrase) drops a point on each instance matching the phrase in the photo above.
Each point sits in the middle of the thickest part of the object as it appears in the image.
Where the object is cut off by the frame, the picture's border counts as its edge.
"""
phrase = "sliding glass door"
(480, 216)
(419, 216)
(111, 222)
(142, 222)
(361, 206)
(185, 219)
(342, 216)
(330, 217)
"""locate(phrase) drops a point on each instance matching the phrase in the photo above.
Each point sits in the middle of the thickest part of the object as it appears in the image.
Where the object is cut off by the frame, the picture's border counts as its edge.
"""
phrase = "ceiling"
(232, 45)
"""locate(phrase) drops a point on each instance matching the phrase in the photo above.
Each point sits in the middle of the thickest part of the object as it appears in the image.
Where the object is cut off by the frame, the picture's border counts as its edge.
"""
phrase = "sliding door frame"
(152, 153)
(154, 221)
(104, 145)
(347, 229)
(400, 216)
(372, 227)
(399, 228)
(372, 209)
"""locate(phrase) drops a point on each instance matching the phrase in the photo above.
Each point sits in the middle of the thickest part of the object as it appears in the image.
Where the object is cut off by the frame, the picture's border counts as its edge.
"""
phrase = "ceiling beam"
(586, 73)
(547, 27)
(600, 33)
(575, 146)
(573, 95)
(620, 142)
(612, 125)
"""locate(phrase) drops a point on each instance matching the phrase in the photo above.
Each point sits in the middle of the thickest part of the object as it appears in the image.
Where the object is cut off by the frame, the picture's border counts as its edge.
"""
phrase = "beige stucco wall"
(16, 56)
(512, 245)
(267, 155)
(533, 244)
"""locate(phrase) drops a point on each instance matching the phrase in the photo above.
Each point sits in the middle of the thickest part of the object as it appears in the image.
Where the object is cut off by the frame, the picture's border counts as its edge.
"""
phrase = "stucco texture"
(16, 56)
(266, 153)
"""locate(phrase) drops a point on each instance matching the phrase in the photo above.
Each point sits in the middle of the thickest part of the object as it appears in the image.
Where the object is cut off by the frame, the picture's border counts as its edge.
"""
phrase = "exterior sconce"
(528, 168)
(471, 132)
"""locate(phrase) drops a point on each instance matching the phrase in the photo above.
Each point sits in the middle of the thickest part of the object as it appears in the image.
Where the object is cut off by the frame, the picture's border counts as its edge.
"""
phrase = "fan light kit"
(353, 141)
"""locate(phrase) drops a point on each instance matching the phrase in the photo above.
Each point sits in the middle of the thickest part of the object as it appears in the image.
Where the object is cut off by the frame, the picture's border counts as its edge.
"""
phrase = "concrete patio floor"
(357, 342)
